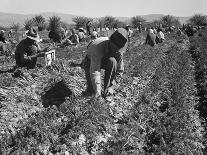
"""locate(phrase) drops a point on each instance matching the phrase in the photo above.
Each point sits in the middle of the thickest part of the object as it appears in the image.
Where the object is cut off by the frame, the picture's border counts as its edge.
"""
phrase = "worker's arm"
(77, 38)
(147, 39)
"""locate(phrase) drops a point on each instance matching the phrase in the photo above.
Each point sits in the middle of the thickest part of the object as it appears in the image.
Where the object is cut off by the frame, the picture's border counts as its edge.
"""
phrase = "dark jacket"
(150, 39)
(25, 54)
(2, 38)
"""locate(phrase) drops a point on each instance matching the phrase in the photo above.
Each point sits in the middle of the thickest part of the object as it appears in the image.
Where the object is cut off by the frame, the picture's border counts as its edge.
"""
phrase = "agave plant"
(28, 24)
(40, 22)
(55, 28)
(54, 23)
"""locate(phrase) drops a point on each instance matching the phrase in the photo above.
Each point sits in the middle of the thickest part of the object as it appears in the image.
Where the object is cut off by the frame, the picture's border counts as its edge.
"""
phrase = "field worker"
(94, 34)
(179, 32)
(10, 34)
(150, 39)
(88, 28)
(2, 42)
(129, 31)
(154, 30)
(74, 37)
(81, 35)
(2, 36)
(104, 53)
(63, 33)
(28, 50)
(140, 27)
(160, 36)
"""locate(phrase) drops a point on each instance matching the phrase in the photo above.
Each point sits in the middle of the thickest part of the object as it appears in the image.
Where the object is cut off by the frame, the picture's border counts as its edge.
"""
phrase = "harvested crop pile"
(55, 93)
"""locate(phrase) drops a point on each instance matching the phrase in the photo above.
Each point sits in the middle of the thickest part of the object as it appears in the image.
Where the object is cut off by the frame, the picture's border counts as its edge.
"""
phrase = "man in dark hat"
(28, 50)
(104, 53)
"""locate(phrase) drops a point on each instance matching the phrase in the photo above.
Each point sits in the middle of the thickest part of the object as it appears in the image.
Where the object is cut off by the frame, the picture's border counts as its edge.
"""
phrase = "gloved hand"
(41, 54)
(109, 91)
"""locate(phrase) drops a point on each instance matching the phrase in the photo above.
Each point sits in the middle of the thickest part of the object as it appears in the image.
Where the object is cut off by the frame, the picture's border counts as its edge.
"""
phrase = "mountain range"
(7, 19)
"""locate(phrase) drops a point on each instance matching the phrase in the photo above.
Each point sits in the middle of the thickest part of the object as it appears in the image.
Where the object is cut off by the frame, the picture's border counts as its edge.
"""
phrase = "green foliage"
(136, 20)
(55, 29)
(112, 22)
(199, 55)
(80, 21)
(16, 26)
(152, 111)
(54, 23)
(170, 21)
(40, 22)
(198, 20)
(29, 23)
(156, 23)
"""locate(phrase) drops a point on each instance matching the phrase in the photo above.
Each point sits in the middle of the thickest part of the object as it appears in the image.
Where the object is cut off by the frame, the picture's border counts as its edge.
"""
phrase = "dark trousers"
(30, 64)
(109, 64)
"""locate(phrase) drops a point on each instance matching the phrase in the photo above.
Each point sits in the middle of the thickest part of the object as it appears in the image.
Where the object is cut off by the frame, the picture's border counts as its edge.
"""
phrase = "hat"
(81, 29)
(32, 34)
(2, 31)
(119, 37)
(150, 31)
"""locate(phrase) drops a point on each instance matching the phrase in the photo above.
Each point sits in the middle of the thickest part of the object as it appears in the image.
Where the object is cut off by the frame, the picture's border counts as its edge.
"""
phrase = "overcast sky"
(97, 8)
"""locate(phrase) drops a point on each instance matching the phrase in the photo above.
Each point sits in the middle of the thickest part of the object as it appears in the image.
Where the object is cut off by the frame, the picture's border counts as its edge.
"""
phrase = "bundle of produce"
(55, 92)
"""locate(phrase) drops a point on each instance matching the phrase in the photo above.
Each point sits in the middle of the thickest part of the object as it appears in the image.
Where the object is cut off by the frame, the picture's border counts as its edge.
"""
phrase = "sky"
(100, 8)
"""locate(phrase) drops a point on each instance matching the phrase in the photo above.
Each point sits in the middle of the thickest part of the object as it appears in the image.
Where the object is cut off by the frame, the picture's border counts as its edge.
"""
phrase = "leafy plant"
(40, 22)
(29, 23)
(198, 20)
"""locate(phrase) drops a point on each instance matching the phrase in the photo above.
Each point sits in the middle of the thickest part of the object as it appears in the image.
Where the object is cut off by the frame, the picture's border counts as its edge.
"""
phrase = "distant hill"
(152, 17)
(7, 19)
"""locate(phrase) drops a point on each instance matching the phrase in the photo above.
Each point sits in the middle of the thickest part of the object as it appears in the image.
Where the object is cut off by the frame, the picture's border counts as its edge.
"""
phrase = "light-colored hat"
(32, 34)
(2, 31)
(81, 29)
(150, 31)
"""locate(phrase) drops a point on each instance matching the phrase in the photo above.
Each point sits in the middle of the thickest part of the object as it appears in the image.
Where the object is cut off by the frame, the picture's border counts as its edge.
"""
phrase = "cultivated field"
(152, 112)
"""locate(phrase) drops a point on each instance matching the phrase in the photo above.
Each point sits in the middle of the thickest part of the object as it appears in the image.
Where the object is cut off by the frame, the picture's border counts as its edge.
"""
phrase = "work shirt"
(97, 50)
(74, 38)
(81, 36)
(25, 54)
(161, 35)
(150, 39)
(2, 38)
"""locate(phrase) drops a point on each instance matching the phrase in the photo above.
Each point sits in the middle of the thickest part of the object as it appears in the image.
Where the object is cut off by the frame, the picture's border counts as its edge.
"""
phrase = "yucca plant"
(55, 28)
(40, 22)
(28, 24)
(16, 26)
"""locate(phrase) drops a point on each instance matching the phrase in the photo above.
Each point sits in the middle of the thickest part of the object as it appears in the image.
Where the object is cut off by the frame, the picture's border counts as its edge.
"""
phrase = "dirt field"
(42, 110)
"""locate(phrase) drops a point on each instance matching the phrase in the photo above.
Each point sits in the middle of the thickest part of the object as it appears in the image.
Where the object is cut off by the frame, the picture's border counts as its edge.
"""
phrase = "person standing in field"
(150, 39)
(28, 50)
(140, 27)
(2, 36)
(104, 53)
(88, 28)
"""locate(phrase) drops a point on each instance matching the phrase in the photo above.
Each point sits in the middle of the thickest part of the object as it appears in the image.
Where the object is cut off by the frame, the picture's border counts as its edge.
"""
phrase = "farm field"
(152, 112)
